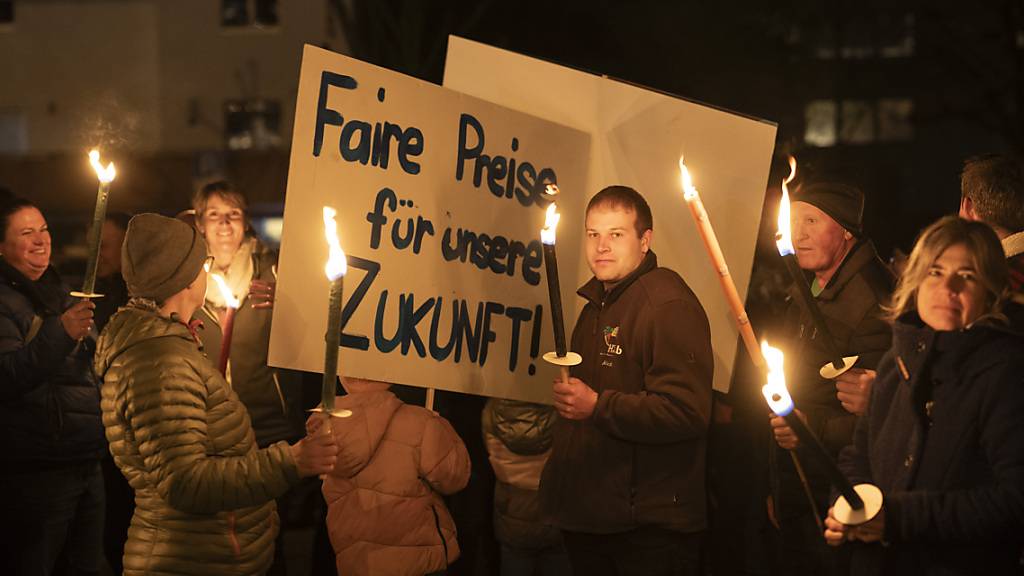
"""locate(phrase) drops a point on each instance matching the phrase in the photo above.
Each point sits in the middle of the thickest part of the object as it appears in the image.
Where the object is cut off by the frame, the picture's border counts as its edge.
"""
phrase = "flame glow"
(551, 217)
(337, 265)
(222, 284)
(689, 192)
(784, 236)
(106, 175)
(775, 391)
(551, 190)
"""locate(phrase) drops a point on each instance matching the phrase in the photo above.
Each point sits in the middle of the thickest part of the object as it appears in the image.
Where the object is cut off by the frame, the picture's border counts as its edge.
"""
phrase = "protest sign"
(637, 137)
(439, 211)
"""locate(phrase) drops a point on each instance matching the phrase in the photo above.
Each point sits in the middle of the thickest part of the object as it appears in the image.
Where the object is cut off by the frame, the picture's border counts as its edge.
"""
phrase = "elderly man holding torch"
(204, 492)
(849, 284)
(625, 480)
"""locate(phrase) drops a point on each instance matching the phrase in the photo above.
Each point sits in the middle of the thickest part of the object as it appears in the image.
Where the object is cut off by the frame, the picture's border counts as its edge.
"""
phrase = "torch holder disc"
(872, 498)
(337, 412)
(570, 359)
(828, 371)
(77, 294)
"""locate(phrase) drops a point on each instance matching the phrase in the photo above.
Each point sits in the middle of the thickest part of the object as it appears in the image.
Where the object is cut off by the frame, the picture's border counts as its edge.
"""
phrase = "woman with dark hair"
(943, 436)
(49, 407)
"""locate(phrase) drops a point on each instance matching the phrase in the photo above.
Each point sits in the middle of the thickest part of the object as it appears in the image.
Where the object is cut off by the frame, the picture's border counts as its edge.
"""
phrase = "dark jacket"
(639, 460)
(204, 495)
(518, 438)
(49, 400)
(944, 440)
(851, 304)
(270, 395)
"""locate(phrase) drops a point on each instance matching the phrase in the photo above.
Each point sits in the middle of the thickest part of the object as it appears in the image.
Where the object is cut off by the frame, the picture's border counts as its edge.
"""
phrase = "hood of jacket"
(359, 435)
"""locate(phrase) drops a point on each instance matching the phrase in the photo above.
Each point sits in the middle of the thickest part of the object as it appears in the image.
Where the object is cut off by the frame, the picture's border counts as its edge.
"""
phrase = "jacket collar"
(861, 255)
(46, 293)
(594, 292)
(914, 341)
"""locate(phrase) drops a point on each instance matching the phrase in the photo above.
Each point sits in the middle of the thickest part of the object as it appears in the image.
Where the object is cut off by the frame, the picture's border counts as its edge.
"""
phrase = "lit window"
(252, 124)
(820, 123)
(856, 122)
(242, 13)
(894, 119)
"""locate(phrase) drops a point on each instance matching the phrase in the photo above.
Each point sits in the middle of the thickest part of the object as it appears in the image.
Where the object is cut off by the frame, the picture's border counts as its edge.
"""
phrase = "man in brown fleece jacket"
(625, 481)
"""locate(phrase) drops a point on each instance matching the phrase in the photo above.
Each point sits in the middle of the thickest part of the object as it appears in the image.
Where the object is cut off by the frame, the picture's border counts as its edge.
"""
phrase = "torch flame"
(106, 175)
(551, 190)
(229, 298)
(551, 217)
(337, 265)
(689, 192)
(775, 391)
(784, 237)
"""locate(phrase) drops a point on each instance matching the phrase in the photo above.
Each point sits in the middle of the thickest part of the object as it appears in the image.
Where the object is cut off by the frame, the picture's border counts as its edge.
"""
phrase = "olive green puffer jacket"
(204, 495)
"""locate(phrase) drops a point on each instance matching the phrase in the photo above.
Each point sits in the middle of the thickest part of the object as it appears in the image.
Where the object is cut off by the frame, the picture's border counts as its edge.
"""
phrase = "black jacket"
(944, 440)
(49, 397)
(639, 460)
(851, 304)
(270, 395)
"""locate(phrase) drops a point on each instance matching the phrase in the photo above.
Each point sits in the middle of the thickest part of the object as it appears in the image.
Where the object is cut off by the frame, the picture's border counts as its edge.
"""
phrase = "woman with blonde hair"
(943, 435)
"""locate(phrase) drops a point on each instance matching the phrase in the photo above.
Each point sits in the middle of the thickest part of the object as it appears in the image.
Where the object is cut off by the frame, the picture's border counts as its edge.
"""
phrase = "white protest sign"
(637, 137)
(438, 206)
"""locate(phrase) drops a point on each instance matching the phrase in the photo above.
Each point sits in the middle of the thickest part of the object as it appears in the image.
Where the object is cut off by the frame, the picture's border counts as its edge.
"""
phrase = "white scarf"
(238, 276)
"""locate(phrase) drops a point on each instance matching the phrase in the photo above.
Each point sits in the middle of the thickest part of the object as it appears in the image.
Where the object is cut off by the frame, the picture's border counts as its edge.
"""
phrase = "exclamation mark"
(538, 317)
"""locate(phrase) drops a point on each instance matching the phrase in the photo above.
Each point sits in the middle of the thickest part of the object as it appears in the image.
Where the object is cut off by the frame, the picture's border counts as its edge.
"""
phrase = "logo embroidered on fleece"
(611, 340)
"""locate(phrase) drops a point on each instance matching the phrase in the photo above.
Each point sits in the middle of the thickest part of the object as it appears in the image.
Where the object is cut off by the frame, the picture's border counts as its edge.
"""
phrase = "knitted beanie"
(844, 203)
(160, 256)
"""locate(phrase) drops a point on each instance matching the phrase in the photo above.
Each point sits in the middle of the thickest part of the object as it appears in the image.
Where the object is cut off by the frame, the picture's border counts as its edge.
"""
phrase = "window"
(248, 13)
(894, 119)
(252, 124)
(858, 121)
(895, 35)
(864, 35)
(820, 123)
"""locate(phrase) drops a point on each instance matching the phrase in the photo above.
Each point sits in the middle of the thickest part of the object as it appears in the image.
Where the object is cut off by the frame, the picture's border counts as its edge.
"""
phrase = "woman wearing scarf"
(249, 268)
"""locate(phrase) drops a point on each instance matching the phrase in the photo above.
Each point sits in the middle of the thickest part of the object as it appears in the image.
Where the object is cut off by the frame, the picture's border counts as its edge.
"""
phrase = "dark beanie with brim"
(844, 203)
(160, 256)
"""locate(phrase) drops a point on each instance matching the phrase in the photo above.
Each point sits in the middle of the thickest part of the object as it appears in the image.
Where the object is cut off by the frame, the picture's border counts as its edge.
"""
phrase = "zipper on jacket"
(232, 536)
(280, 394)
(444, 544)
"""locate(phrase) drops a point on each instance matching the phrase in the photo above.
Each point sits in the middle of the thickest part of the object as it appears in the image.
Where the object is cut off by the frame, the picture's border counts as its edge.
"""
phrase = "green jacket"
(270, 395)
(518, 439)
(204, 495)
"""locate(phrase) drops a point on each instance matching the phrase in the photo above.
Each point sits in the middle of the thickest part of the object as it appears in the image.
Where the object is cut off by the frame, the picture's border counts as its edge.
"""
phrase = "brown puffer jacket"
(204, 495)
(385, 514)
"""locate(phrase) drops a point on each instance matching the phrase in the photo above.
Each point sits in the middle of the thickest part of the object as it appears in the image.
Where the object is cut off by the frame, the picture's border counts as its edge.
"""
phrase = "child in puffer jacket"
(385, 515)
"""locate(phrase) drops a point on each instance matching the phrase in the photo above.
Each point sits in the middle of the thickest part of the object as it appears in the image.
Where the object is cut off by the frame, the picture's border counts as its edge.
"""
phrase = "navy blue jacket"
(49, 397)
(944, 439)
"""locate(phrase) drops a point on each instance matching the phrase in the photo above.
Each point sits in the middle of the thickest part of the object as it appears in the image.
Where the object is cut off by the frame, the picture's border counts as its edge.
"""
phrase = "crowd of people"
(129, 446)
